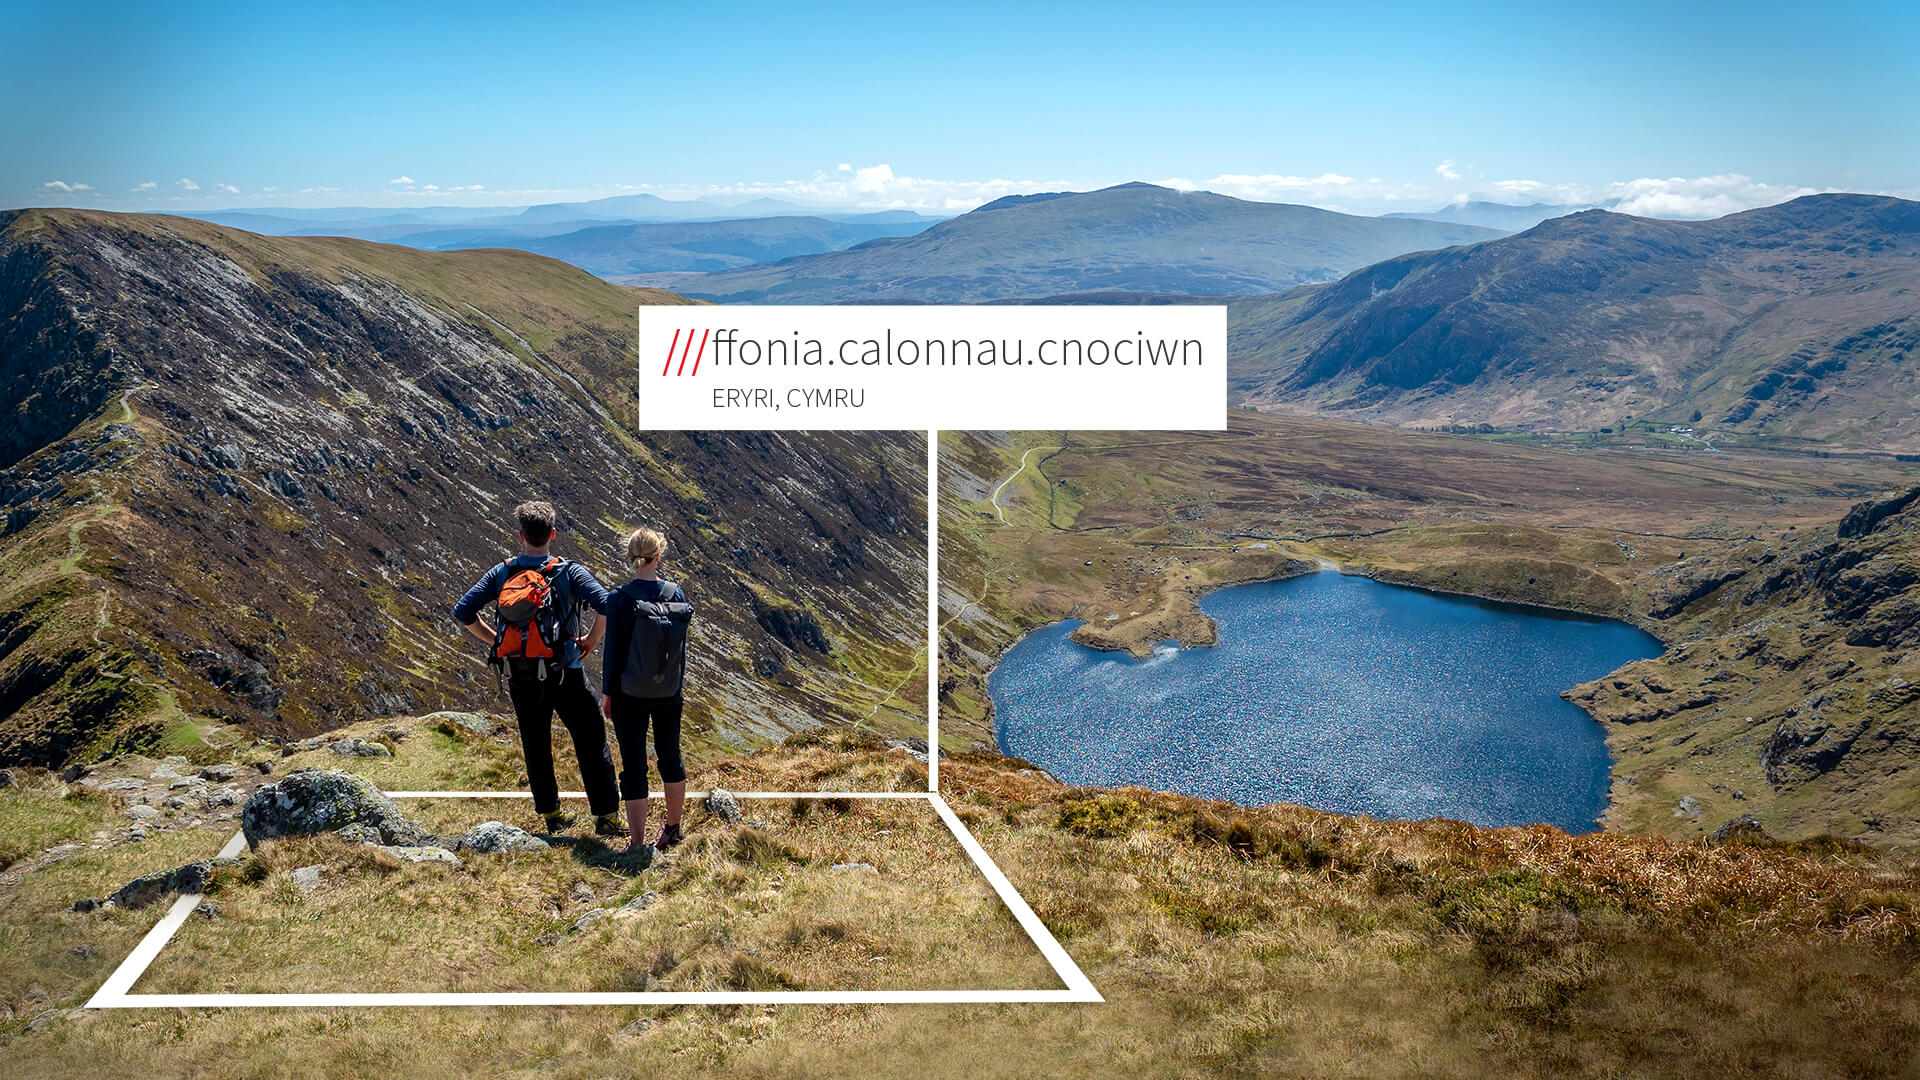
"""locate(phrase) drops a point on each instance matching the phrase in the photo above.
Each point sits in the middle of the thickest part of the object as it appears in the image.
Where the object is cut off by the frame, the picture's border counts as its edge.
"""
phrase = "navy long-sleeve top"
(575, 584)
(620, 616)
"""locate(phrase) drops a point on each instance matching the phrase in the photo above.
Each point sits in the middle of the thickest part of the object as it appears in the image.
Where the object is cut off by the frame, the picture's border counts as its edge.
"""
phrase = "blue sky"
(1688, 108)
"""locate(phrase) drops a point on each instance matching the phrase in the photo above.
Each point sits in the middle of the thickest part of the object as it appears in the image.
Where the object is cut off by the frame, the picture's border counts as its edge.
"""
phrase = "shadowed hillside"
(244, 478)
(1800, 320)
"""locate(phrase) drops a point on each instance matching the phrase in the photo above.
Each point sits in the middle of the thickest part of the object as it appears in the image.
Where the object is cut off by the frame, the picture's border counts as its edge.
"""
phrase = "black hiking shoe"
(608, 825)
(558, 820)
(669, 838)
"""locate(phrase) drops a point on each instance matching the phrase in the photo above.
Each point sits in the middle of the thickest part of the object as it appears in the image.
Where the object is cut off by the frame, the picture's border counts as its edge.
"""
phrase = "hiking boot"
(669, 838)
(608, 825)
(558, 820)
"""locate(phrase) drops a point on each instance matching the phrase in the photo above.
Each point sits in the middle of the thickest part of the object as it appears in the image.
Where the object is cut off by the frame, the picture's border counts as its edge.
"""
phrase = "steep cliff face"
(244, 478)
(1792, 688)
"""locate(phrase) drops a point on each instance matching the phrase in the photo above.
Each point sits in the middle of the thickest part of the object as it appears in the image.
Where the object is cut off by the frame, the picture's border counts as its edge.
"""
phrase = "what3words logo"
(675, 346)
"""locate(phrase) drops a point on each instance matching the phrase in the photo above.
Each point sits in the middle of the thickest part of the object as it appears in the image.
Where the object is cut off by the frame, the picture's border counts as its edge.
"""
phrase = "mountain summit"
(1129, 238)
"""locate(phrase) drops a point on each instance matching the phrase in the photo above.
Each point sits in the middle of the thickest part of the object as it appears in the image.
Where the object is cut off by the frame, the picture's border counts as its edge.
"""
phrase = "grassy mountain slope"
(1273, 942)
(1126, 530)
(244, 478)
(1134, 237)
(1799, 320)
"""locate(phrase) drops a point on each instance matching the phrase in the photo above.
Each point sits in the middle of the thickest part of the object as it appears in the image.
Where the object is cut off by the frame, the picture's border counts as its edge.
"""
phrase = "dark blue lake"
(1335, 692)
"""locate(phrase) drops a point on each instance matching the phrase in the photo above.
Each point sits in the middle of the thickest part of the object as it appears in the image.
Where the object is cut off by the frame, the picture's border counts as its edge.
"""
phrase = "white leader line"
(116, 993)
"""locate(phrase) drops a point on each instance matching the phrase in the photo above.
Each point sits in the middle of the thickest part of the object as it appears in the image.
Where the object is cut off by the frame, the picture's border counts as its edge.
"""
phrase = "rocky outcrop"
(181, 880)
(313, 801)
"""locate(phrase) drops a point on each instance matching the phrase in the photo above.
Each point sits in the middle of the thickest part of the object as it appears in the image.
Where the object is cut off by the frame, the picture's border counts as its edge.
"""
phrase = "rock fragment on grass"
(1745, 829)
(474, 723)
(181, 880)
(307, 878)
(357, 747)
(495, 837)
(427, 854)
(722, 804)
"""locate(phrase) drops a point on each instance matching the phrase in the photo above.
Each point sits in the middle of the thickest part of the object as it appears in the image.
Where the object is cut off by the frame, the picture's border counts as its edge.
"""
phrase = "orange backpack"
(531, 618)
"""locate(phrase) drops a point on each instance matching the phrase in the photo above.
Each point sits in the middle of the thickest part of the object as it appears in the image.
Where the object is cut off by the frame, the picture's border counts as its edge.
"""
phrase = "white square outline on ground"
(116, 992)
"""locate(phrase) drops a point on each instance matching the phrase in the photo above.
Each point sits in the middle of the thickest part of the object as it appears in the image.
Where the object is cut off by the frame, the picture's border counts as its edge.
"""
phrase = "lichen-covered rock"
(419, 854)
(141, 891)
(492, 837)
(353, 747)
(312, 801)
(474, 723)
(722, 804)
(359, 834)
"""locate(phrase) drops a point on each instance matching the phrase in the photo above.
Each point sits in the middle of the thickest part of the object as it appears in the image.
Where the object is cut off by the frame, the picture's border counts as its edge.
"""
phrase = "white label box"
(919, 367)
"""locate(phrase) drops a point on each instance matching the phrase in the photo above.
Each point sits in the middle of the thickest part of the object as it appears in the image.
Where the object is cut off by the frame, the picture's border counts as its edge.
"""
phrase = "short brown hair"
(645, 545)
(536, 521)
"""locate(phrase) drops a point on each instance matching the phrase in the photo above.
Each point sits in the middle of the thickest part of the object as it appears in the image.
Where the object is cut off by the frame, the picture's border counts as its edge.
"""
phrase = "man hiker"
(536, 638)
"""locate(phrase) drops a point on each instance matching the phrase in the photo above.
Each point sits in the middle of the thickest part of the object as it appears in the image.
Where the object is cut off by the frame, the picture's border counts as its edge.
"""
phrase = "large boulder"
(312, 801)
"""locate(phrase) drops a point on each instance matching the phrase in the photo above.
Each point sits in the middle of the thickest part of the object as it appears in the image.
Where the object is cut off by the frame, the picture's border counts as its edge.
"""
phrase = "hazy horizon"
(1400, 108)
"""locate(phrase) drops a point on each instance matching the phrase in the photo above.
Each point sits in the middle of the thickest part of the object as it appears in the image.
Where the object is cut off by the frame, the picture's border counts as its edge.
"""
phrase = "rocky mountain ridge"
(245, 477)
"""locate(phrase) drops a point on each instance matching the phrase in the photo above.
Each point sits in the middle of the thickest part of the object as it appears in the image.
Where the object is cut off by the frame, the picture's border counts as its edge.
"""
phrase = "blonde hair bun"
(645, 545)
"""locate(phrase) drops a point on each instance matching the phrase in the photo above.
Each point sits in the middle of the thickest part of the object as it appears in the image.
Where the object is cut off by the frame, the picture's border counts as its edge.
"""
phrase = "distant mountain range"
(626, 235)
(1800, 319)
(1129, 238)
(1492, 215)
(615, 251)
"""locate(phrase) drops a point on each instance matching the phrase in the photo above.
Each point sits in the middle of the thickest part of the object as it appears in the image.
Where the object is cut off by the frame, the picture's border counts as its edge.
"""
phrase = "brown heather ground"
(1228, 942)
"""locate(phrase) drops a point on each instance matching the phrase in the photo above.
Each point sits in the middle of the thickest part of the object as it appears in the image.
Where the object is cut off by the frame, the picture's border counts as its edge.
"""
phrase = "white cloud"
(430, 187)
(1446, 171)
(187, 185)
(64, 187)
(401, 181)
(1701, 197)
(148, 186)
(843, 167)
(226, 189)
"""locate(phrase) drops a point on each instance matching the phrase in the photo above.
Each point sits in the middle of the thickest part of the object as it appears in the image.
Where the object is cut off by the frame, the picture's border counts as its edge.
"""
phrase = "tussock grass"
(1228, 941)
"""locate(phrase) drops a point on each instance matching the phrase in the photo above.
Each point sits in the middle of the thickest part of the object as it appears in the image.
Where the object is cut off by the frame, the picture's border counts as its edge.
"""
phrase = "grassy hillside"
(1130, 238)
(248, 475)
(1126, 531)
(1795, 320)
(1226, 942)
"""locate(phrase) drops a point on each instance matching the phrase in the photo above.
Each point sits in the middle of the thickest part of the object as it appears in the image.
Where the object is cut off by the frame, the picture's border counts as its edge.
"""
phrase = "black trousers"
(535, 701)
(631, 718)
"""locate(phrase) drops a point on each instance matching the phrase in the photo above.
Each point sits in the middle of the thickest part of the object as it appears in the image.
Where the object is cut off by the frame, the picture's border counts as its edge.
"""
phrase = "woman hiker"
(642, 677)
